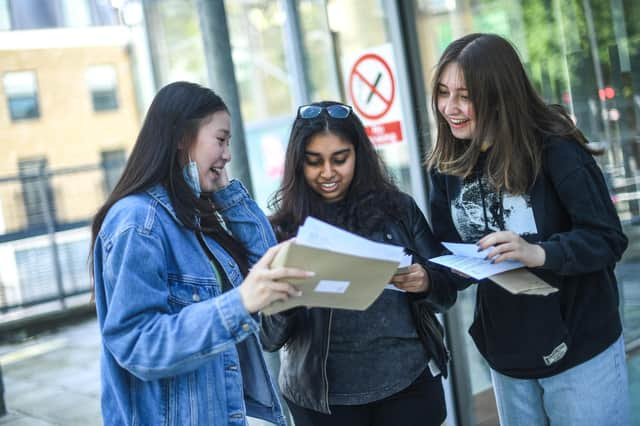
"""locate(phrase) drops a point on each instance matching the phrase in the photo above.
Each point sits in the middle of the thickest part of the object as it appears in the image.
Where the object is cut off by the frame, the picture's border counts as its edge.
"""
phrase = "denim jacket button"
(196, 297)
(389, 236)
(246, 327)
(232, 368)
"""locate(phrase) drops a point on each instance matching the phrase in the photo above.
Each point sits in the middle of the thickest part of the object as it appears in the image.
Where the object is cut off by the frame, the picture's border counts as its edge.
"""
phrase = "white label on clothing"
(328, 286)
(557, 354)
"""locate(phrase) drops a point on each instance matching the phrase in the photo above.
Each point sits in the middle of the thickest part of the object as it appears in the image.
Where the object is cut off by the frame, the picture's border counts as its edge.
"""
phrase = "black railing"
(44, 234)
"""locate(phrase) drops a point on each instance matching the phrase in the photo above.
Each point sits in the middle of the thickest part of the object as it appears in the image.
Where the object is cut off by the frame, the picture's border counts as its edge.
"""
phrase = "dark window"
(23, 107)
(22, 95)
(113, 163)
(103, 86)
(37, 194)
(104, 100)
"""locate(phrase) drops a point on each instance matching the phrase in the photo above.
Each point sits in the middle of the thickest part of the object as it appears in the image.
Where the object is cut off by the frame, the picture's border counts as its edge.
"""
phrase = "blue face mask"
(191, 176)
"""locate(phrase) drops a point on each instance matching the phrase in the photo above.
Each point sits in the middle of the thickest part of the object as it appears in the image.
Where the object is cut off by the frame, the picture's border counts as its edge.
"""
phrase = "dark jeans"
(421, 404)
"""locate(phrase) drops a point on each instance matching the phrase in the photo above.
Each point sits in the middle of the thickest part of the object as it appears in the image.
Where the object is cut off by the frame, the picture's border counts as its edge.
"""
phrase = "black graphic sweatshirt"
(569, 212)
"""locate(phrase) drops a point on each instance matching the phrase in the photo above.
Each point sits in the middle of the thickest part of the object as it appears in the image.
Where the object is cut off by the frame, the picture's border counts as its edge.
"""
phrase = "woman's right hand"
(264, 285)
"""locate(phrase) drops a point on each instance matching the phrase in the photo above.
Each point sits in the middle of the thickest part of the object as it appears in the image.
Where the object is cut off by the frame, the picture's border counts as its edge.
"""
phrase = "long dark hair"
(370, 196)
(175, 116)
(509, 114)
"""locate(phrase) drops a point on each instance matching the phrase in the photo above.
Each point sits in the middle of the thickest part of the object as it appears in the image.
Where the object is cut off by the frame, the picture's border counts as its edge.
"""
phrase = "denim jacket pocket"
(185, 290)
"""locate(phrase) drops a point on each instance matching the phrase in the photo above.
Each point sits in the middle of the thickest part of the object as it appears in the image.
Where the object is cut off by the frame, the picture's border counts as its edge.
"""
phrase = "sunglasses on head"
(334, 111)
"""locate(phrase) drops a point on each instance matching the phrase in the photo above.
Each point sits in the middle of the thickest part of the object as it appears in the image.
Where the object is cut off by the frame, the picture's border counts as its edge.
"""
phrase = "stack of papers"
(510, 275)
(351, 271)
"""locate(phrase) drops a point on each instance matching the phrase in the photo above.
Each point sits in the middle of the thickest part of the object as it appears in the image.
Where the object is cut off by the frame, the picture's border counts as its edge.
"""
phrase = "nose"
(327, 170)
(226, 153)
(451, 105)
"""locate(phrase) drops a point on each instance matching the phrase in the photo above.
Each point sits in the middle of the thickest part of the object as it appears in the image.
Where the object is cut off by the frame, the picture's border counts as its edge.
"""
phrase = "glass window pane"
(102, 83)
(22, 94)
(76, 13)
(5, 16)
(33, 14)
(257, 39)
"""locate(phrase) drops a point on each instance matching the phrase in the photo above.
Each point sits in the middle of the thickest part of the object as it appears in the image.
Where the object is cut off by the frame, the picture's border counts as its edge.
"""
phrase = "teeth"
(328, 185)
(458, 121)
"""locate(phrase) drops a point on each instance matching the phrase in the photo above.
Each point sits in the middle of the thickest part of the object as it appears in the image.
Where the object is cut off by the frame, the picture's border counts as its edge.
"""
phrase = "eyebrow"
(457, 88)
(317, 154)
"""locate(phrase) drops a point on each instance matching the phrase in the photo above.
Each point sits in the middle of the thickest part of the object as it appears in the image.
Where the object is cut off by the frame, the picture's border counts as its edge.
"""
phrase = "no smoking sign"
(371, 88)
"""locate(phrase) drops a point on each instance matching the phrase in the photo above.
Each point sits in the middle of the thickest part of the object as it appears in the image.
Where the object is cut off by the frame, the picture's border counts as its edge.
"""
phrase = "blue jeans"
(593, 393)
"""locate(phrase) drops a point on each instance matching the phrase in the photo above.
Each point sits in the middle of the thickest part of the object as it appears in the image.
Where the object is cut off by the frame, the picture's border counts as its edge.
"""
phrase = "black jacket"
(578, 227)
(304, 333)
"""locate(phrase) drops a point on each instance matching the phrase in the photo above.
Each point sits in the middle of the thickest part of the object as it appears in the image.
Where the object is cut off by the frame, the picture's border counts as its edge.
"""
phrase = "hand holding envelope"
(510, 275)
(350, 271)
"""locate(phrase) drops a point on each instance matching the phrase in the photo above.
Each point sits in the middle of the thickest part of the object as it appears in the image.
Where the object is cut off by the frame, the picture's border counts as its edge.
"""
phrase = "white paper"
(467, 259)
(318, 234)
(329, 286)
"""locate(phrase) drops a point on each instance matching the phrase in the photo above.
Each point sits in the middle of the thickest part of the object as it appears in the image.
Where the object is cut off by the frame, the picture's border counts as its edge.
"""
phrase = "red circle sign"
(371, 81)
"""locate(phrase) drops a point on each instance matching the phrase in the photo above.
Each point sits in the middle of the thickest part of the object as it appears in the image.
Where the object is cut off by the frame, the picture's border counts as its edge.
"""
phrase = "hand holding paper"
(509, 274)
(507, 245)
(351, 271)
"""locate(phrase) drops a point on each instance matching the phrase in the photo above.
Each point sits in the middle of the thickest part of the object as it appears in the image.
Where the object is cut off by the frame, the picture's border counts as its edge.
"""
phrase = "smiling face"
(210, 150)
(329, 166)
(454, 104)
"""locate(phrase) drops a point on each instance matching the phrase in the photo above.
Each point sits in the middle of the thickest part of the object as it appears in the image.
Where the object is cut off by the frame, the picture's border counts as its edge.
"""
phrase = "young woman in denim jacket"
(344, 367)
(517, 177)
(172, 247)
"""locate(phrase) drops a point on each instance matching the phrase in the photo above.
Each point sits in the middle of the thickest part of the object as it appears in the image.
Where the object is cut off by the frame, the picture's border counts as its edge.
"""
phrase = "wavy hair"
(368, 199)
(508, 113)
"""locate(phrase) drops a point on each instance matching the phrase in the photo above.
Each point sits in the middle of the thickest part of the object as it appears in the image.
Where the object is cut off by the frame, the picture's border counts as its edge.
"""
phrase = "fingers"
(496, 238)
(283, 272)
(414, 281)
(268, 257)
(501, 252)
(286, 289)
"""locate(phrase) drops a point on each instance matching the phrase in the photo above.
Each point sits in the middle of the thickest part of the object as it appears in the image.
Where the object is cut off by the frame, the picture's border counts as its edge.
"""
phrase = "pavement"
(54, 378)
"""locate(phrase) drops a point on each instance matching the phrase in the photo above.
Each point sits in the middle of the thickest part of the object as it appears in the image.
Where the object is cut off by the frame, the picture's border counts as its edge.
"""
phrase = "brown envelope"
(341, 281)
(520, 281)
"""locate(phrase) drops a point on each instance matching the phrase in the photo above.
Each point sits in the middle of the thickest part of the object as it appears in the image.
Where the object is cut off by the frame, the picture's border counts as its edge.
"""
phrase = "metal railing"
(45, 237)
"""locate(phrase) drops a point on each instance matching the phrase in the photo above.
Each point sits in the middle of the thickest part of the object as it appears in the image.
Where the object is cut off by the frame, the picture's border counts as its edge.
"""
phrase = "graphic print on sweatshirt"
(503, 211)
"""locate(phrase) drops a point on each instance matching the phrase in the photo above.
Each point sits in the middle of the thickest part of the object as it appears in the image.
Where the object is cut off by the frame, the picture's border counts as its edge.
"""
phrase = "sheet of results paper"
(467, 259)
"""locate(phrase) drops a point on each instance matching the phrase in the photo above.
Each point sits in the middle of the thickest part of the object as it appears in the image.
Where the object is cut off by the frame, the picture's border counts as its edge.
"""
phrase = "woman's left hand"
(415, 281)
(507, 245)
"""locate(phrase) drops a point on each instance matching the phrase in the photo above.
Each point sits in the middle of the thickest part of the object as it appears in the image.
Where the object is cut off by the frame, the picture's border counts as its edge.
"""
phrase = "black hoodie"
(578, 227)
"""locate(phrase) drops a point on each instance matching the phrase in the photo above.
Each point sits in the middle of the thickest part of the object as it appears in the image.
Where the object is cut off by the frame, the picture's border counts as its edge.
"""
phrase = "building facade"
(68, 118)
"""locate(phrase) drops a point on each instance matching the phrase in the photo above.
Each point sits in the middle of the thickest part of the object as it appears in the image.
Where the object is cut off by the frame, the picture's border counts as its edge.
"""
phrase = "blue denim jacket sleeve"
(140, 329)
(245, 220)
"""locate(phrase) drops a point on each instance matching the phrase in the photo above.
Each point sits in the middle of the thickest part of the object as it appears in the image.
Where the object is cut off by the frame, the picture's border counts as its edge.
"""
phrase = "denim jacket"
(175, 349)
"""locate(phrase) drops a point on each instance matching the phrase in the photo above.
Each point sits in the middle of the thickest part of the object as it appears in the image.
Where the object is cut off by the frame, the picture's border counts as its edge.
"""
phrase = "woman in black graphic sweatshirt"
(515, 176)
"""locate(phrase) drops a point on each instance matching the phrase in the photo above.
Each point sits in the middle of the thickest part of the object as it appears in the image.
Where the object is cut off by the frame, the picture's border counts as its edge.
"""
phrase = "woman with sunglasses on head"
(176, 303)
(344, 367)
(516, 176)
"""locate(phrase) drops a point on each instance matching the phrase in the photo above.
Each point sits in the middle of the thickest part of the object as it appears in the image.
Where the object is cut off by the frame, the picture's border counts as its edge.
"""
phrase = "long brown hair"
(508, 113)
